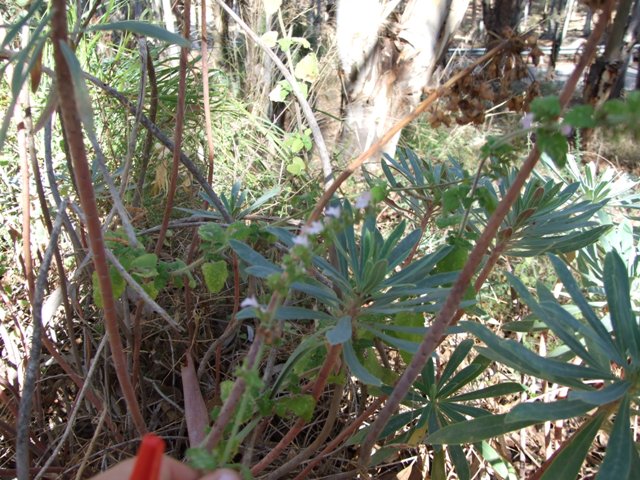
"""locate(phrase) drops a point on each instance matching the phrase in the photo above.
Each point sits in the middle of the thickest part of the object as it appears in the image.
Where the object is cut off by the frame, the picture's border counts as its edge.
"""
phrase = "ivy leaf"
(554, 144)
(307, 68)
(215, 274)
(296, 167)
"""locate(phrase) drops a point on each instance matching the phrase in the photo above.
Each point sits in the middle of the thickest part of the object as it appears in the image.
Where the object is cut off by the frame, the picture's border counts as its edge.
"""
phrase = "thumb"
(222, 474)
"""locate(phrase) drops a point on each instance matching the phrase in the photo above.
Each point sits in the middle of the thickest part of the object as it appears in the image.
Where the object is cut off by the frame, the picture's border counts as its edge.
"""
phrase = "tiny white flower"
(301, 240)
(313, 229)
(363, 200)
(250, 302)
(527, 121)
(333, 212)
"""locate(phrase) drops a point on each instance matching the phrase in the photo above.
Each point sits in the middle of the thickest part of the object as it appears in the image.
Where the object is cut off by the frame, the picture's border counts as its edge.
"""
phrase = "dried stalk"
(76, 407)
(82, 173)
(33, 367)
(177, 135)
(436, 333)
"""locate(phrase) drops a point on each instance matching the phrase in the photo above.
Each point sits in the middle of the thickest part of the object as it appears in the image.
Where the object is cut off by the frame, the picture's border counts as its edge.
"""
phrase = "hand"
(170, 470)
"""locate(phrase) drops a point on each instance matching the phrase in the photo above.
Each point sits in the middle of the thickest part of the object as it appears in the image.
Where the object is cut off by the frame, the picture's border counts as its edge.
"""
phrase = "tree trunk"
(610, 68)
(387, 58)
(501, 16)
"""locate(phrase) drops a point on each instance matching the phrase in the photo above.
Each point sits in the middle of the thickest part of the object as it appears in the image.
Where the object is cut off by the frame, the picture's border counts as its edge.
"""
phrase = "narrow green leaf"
(542, 412)
(356, 367)
(459, 460)
(458, 355)
(608, 394)
(475, 430)
(604, 338)
(568, 462)
(507, 388)
(17, 26)
(83, 99)
(502, 467)
(341, 332)
(625, 324)
(252, 257)
(144, 29)
(617, 461)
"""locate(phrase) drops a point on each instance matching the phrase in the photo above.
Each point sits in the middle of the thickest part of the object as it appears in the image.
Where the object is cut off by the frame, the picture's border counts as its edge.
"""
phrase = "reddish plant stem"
(342, 436)
(423, 227)
(327, 367)
(84, 182)
(205, 87)
(436, 333)
(229, 407)
(177, 135)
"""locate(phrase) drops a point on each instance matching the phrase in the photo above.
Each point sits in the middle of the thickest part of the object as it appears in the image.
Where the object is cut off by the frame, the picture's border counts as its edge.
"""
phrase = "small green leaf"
(307, 68)
(145, 29)
(147, 261)
(501, 466)
(546, 108)
(300, 405)
(117, 286)
(580, 116)
(341, 332)
(553, 144)
(212, 233)
(215, 274)
(270, 38)
(296, 167)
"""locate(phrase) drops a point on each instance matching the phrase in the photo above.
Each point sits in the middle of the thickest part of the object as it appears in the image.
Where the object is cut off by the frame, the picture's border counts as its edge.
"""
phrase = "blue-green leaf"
(507, 388)
(341, 332)
(83, 99)
(608, 394)
(475, 430)
(357, 369)
(144, 29)
(625, 324)
(568, 462)
(541, 412)
(617, 462)
(252, 257)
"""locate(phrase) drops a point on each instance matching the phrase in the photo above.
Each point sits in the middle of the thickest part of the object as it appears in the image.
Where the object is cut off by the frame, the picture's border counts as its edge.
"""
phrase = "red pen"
(149, 458)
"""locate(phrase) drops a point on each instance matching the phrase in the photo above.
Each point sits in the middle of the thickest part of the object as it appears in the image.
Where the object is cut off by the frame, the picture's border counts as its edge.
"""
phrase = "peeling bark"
(388, 56)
